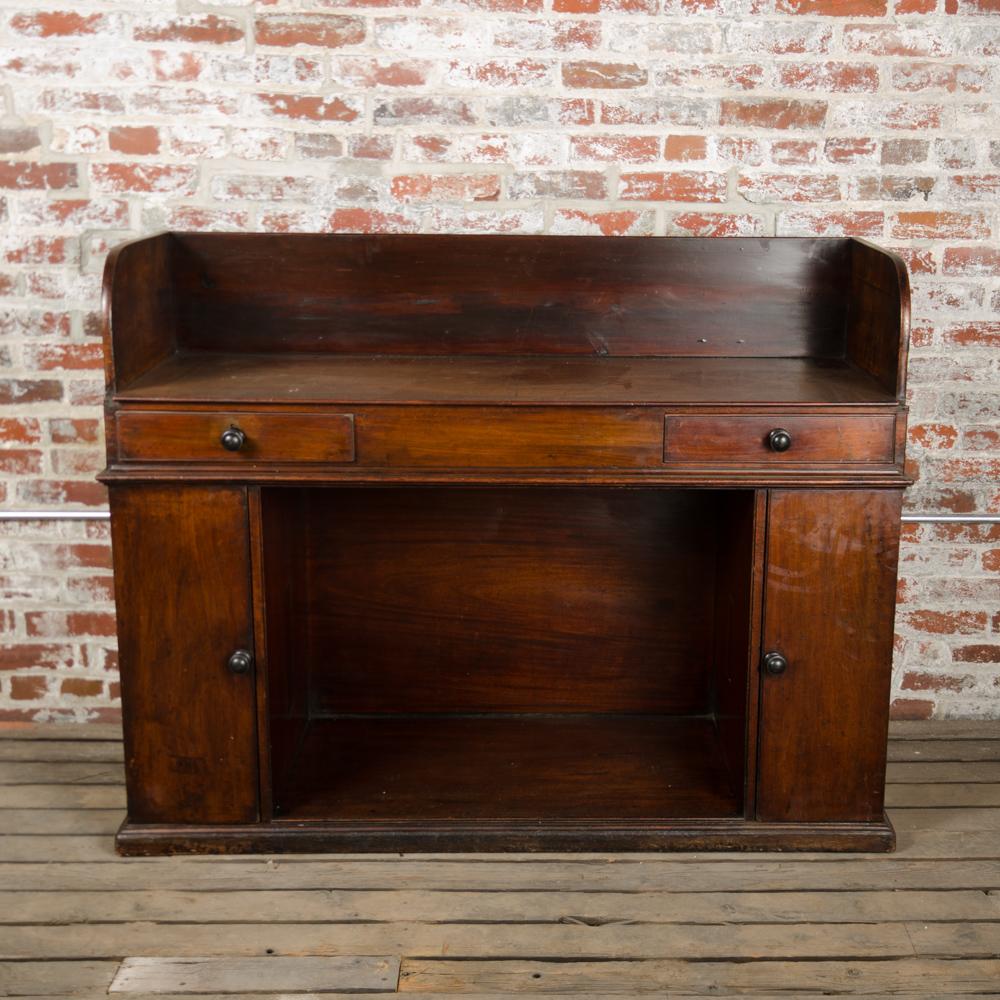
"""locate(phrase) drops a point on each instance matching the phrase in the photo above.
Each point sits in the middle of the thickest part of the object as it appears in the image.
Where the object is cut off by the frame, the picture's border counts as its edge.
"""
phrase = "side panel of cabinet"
(182, 585)
(829, 601)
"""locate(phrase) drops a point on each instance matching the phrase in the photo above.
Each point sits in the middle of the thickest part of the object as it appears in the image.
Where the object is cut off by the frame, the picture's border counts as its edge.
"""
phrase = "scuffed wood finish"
(828, 608)
(182, 589)
(508, 542)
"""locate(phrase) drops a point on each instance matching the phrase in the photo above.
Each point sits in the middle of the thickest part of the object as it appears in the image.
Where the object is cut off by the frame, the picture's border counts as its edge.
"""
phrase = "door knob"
(779, 439)
(233, 439)
(775, 664)
(240, 662)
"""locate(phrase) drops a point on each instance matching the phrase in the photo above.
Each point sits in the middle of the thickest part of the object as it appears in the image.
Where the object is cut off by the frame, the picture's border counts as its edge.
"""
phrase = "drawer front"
(159, 436)
(472, 437)
(779, 439)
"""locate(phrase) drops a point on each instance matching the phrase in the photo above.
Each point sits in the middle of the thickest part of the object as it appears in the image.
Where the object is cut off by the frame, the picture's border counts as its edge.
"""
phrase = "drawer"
(773, 439)
(473, 437)
(161, 436)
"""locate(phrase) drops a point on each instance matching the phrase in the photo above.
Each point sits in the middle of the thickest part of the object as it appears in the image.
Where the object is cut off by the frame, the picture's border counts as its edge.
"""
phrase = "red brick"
(83, 623)
(681, 148)
(57, 24)
(918, 76)
(789, 187)
(195, 28)
(91, 589)
(332, 109)
(972, 6)
(638, 223)
(366, 220)
(933, 435)
(914, 39)
(497, 73)
(853, 150)
(605, 6)
(899, 152)
(903, 709)
(549, 36)
(28, 655)
(947, 622)
(936, 682)
(28, 687)
(14, 430)
(81, 687)
(365, 73)
(21, 175)
(134, 141)
(977, 653)
(590, 75)
(834, 8)
(421, 111)
(616, 148)
(772, 112)
(980, 187)
(806, 222)
(330, 31)
(557, 184)
(446, 187)
(370, 147)
(974, 261)
(67, 430)
(679, 186)
(509, 6)
(20, 462)
(916, 6)
(941, 225)
(57, 492)
(171, 178)
(29, 390)
(177, 66)
(790, 152)
(832, 76)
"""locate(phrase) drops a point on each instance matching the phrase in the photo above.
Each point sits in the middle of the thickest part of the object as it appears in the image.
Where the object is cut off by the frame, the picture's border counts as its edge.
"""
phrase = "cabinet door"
(182, 584)
(829, 601)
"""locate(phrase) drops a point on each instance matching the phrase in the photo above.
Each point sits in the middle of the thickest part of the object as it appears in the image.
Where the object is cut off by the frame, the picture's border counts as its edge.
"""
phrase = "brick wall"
(645, 117)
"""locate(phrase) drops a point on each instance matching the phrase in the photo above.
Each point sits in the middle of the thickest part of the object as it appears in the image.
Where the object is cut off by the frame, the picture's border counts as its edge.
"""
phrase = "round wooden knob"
(233, 439)
(240, 662)
(779, 440)
(775, 664)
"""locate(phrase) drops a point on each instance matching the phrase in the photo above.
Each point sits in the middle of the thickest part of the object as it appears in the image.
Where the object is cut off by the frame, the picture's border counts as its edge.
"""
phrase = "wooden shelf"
(208, 377)
(514, 767)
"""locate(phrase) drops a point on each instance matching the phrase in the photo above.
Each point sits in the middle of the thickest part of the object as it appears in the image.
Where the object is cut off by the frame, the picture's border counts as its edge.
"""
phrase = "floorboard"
(77, 921)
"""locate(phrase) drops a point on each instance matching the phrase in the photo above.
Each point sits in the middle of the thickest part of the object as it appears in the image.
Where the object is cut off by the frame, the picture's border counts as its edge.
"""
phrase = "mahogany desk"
(504, 543)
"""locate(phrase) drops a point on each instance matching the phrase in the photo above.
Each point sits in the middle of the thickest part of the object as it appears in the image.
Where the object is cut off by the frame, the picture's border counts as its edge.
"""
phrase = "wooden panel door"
(182, 584)
(829, 603)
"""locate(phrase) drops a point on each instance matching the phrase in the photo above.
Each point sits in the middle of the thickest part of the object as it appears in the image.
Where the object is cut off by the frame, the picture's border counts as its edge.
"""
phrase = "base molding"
(148, 840)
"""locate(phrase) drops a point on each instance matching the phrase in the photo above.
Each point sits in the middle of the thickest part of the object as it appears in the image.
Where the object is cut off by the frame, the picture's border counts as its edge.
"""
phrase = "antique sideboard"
(504, 542)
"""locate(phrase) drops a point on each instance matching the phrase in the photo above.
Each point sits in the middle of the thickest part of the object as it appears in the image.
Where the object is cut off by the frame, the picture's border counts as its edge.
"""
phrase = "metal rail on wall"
(103, 515)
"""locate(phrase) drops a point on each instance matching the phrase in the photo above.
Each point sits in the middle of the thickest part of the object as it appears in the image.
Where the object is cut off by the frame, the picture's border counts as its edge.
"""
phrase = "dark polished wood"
(182, 589)
(460, 543)
(828, 609)
(805, 438)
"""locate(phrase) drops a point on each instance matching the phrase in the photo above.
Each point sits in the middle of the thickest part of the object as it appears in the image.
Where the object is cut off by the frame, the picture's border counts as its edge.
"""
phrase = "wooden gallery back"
(504, 542)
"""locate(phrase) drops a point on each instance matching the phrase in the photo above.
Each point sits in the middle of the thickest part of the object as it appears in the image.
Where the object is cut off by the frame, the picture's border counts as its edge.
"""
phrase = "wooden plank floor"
(75, 920)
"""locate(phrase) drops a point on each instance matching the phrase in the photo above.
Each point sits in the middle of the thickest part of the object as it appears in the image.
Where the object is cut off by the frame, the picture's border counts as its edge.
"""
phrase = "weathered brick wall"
(646, 117)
